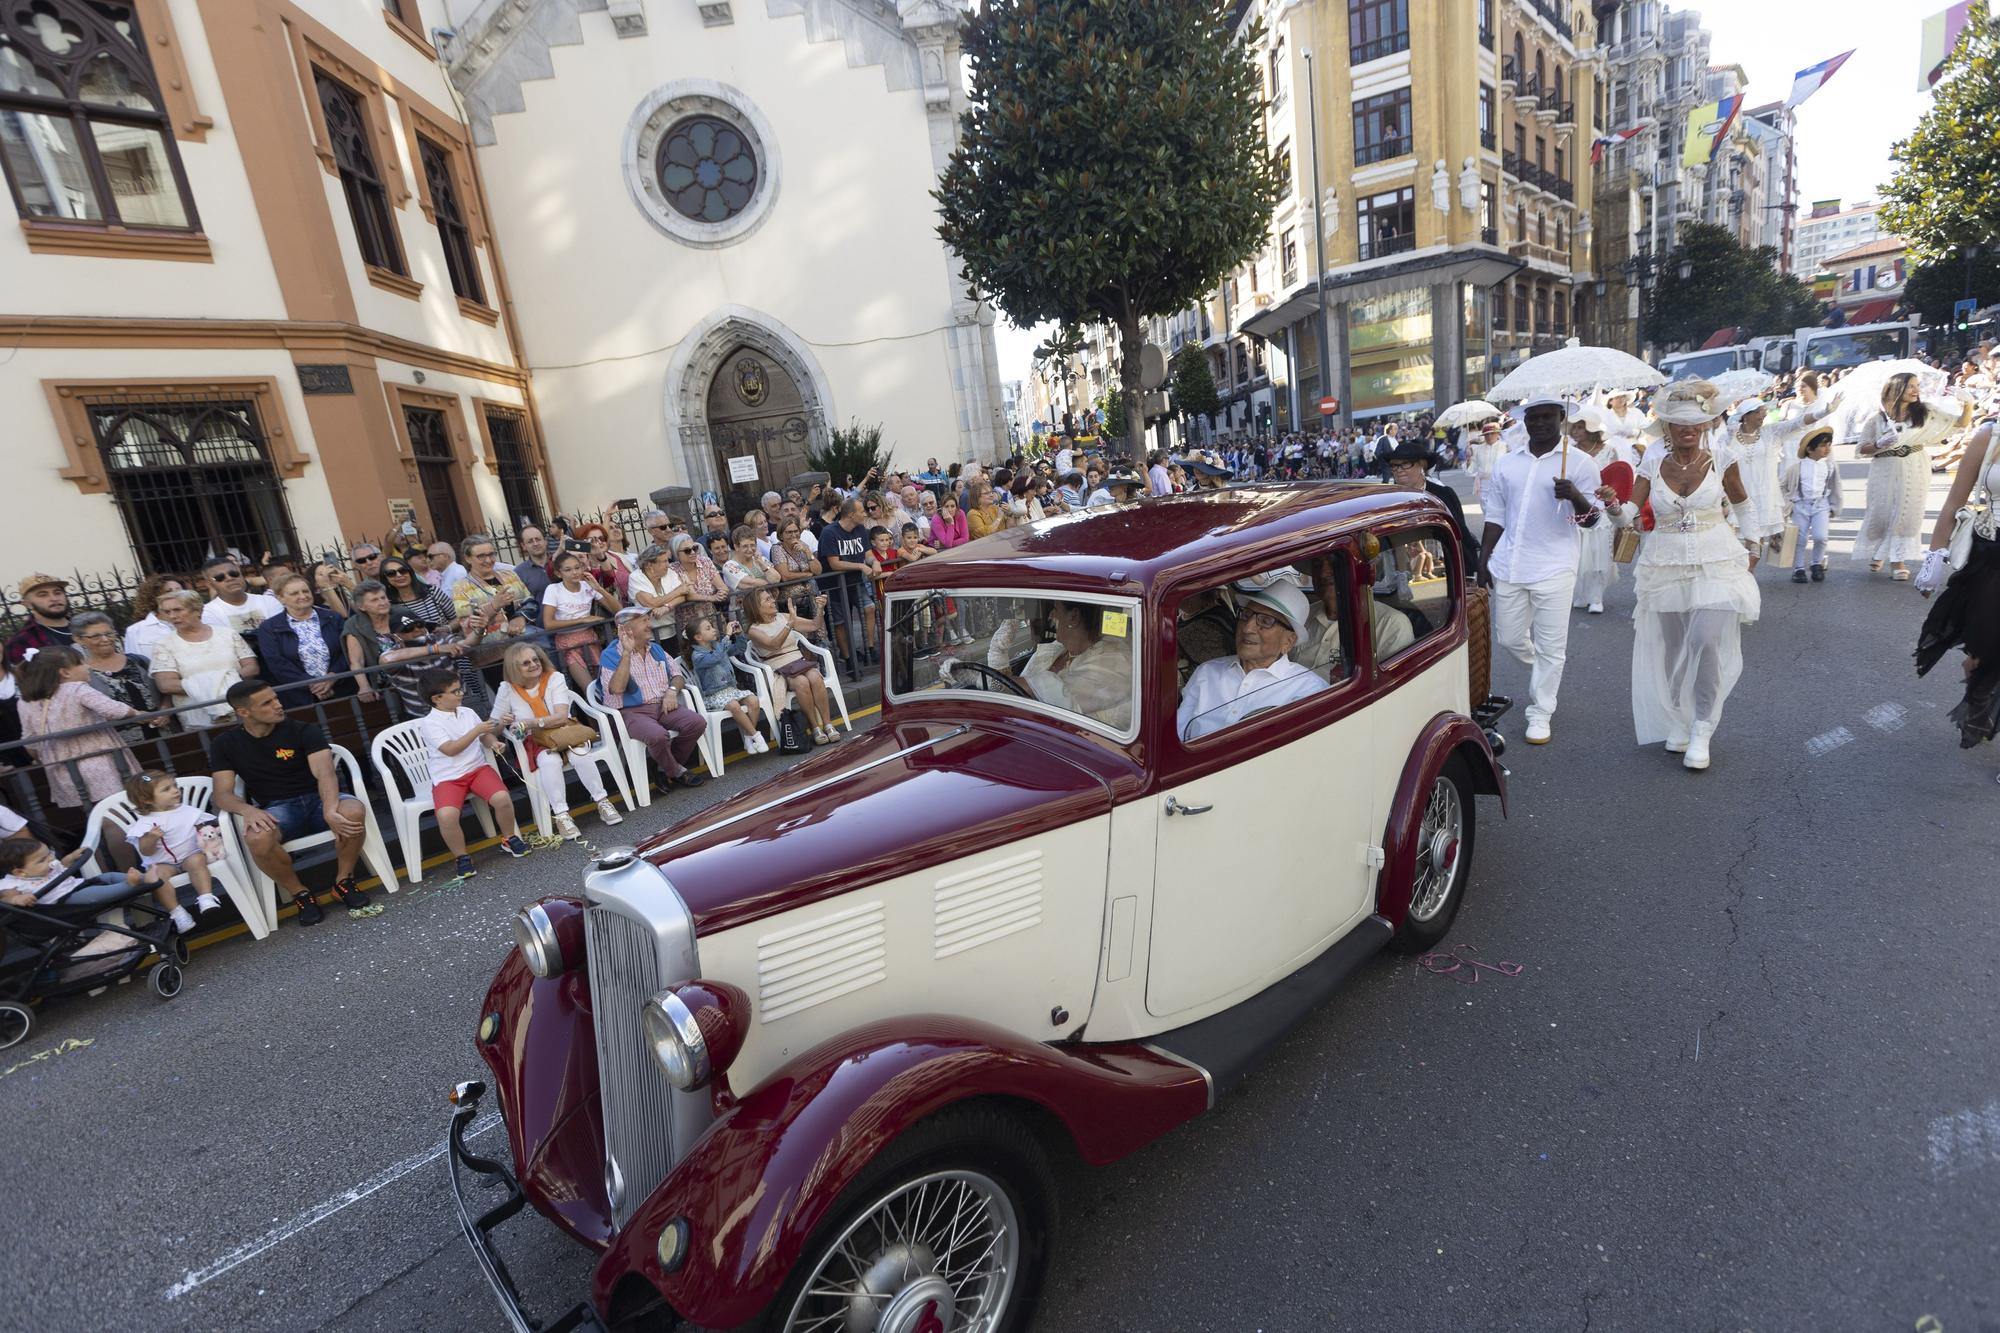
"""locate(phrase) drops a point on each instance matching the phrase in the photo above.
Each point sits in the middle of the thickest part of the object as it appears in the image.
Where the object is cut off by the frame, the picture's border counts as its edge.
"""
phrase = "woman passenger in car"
(1079, 669)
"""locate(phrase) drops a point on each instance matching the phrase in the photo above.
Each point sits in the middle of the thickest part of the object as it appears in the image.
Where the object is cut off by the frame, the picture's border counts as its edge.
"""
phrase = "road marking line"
(1965, 1139)
(319, 1212)
(1886, 717)
(1829, 740)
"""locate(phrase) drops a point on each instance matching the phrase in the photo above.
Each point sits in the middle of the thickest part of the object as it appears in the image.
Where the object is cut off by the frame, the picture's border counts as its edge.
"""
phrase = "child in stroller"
(52, 942)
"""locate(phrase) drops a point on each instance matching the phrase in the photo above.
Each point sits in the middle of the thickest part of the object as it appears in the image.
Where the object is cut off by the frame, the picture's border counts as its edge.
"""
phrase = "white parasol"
(1467, 413)
(1858, 394)
(1575, 369)
(1736, 385)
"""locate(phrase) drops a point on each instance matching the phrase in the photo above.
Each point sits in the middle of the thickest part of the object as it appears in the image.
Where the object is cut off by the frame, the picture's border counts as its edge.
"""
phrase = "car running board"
(1224, 1046)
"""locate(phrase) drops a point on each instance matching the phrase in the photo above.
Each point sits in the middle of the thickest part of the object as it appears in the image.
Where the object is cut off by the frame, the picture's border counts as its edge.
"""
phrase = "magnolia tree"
(1112, 165)
(1945, 194)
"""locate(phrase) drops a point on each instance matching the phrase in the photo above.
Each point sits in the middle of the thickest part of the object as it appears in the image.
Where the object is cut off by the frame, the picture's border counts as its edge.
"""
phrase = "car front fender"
(1443, 736)
(762, 1178)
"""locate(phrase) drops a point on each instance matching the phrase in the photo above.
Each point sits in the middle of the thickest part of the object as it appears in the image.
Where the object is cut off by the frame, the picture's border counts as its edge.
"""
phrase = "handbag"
(571, 735)
(1625, 545)
(1788, 545)
(1972, 520)
(792, 738)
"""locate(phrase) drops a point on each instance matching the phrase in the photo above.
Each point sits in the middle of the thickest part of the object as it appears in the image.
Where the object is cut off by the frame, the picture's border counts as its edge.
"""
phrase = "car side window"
(1265, 614)
(1413, 595)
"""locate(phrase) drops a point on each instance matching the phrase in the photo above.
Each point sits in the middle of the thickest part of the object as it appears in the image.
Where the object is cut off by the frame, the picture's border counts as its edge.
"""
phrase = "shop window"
(84, 131)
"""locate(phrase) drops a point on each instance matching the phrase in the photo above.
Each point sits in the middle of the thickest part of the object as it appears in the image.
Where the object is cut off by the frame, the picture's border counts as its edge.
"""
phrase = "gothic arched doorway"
(757, 420)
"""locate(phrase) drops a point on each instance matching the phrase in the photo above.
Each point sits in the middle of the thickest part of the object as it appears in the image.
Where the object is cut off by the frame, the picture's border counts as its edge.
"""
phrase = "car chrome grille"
(638, 1100)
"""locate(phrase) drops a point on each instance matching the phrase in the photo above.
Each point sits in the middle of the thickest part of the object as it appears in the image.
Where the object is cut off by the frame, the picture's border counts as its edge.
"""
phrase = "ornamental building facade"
(257, 298)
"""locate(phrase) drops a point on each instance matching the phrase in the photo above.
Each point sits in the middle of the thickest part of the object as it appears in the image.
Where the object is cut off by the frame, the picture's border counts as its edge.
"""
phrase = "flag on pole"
(1941, 34)
(1807, 81)
(1708, 125)
(1604, 141)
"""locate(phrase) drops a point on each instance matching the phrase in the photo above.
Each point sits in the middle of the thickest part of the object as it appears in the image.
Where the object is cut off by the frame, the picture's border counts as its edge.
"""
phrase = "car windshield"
(1701, 367)
(1071, 655)
(1852, 349)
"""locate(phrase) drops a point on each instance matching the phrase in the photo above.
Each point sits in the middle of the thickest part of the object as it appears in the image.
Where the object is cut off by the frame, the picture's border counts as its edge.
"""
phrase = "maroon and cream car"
(1148, 782)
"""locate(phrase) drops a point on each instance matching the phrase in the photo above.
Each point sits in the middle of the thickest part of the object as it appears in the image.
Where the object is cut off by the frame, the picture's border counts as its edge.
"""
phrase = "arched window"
(84, 134)
(1520, 56)
(1541, 70)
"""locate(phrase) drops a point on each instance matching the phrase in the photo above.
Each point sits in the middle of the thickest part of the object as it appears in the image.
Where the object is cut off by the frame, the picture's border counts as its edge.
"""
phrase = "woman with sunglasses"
(706, 592)
(795, 561)
(423, 615)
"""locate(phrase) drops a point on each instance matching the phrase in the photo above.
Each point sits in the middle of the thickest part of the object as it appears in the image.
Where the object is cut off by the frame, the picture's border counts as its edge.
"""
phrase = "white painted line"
(319, 1212)
(1965, 1140)
(1886, 717)
(1829, 740)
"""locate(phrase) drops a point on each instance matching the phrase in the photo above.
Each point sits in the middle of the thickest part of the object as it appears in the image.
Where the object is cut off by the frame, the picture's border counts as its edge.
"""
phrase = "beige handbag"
(1625, 544)
(1787, 546)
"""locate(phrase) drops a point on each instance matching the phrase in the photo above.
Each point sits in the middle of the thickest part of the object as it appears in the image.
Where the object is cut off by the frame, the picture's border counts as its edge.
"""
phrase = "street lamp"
(1685, 269)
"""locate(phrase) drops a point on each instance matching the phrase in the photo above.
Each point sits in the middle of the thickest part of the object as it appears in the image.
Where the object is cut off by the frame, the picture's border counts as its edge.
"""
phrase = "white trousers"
(549, 772)
(1531, 621)
(1810, 520)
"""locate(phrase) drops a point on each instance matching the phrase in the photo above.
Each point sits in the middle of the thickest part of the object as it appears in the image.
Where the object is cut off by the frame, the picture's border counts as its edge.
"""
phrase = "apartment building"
(1829, 230)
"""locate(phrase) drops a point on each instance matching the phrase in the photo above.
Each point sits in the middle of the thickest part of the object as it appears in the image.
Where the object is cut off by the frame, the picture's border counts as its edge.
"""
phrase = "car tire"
(1449, 816)
(977, 1153)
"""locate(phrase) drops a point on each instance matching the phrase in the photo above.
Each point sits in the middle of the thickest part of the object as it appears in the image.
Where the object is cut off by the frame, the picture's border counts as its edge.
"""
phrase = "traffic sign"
(1963, 310)
(1328, 406)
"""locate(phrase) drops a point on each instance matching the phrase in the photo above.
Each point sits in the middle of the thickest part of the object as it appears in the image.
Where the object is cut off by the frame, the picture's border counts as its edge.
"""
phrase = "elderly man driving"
(1221, 693)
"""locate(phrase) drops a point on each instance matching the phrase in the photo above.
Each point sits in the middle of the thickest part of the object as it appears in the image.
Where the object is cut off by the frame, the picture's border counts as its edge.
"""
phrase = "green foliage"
(850, 454)
(1112, 405)
(1932, 289)
(1193, 384)
(1112, 165)
(1946, 190)
(1727, 284)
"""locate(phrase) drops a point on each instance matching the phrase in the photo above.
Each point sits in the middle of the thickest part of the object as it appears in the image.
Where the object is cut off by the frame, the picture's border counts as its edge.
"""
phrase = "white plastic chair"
(402, 743)
(767, 682)
(229, 874)
(612, 751)
(634, 751)
(758, 682)
(374, 852)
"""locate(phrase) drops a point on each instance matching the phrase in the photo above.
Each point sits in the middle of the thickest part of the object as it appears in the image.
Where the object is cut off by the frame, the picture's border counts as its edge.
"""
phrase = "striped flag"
(1941, 34)
(1708, 125)
(1808, 81)
(1604, 141)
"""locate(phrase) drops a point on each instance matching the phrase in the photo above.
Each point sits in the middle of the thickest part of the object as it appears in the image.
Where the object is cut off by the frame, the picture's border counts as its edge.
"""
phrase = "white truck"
(1803, 349)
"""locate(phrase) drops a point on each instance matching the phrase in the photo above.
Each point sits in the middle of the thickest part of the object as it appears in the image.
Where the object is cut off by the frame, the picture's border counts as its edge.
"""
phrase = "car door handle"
(1174, 807)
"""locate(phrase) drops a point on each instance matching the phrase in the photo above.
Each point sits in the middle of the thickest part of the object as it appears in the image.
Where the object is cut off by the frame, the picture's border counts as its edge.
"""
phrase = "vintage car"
(803, 1061)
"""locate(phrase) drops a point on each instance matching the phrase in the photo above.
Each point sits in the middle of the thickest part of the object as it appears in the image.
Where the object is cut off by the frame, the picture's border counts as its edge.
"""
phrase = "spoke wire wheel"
(16, 1021)
(936, 1254)
(1440, 842)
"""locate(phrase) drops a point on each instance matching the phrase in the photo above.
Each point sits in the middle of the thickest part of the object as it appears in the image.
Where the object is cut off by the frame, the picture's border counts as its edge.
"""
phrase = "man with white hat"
(1537, 499)
(1222, 692)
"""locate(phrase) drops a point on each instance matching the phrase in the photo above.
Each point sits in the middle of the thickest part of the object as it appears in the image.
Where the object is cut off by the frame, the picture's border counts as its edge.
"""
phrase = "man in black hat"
(1410, 465)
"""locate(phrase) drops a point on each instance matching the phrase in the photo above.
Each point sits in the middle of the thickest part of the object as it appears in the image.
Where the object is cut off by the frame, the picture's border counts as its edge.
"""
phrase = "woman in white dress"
(1759, 446)
(1896, 440)
(1596, 571)
(1692, 579)
(1624, 428)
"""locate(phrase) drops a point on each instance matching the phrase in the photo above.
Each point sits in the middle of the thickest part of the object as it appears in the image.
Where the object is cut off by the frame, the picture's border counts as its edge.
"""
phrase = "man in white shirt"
(234, 606)
(1157, 480)
(1065, 458)
(1224, 691)
(1536, 499)
(444, 563)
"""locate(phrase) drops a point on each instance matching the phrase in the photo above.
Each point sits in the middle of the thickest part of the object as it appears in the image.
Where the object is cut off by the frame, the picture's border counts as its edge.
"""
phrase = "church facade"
(717, 221)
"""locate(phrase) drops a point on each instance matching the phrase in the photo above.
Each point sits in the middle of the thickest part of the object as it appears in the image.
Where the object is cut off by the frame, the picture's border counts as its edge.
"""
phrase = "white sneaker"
(1538, 731)
(1597, 608)
(1677, 740)
(608, 812)
(1697, 749)
(566, 828)
(207, 903)
(753, 744)
(182, 921)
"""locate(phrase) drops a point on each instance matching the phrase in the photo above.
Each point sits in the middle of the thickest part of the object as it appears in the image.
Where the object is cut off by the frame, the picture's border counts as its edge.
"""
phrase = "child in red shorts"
(458, 740)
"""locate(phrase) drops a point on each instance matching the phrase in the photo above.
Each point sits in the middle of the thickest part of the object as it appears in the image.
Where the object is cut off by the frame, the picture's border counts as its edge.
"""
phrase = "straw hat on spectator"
(34, 581)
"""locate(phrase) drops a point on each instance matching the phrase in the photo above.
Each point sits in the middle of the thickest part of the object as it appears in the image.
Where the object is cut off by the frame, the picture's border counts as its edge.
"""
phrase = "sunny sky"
(1845, 131)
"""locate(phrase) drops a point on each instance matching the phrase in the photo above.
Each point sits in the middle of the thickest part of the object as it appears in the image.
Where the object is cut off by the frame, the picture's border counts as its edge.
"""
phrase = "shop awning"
(1725, 337)
(1275, 318)
(1481, 266)
(1872, 312)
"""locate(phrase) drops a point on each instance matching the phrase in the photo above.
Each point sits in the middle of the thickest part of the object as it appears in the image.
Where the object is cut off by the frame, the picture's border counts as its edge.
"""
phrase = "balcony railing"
(1380, 151)
(1488, 139)
(1559, 187)
(1553, 14)
(1510, 162)
(1486, 38)
(1509, 71)
(1381, 46)
(1394, 244)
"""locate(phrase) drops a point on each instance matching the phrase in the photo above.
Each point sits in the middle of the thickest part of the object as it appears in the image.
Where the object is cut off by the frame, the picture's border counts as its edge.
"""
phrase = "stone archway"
(741, 384)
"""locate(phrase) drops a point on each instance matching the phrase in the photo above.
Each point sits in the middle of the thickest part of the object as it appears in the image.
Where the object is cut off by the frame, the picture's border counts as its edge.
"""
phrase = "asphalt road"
(1748, 1076)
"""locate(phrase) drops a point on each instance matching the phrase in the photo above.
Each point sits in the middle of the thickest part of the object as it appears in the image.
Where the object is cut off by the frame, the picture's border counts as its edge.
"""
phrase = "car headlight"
(677, 1041)
(535, 934)
(695, 1029)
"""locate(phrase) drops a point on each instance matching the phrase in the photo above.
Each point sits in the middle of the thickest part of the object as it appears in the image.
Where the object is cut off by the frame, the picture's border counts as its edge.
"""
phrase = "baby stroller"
(52, 950)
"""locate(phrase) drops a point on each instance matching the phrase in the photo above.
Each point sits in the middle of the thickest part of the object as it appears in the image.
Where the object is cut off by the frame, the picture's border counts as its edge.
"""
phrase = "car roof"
(1128, 547)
